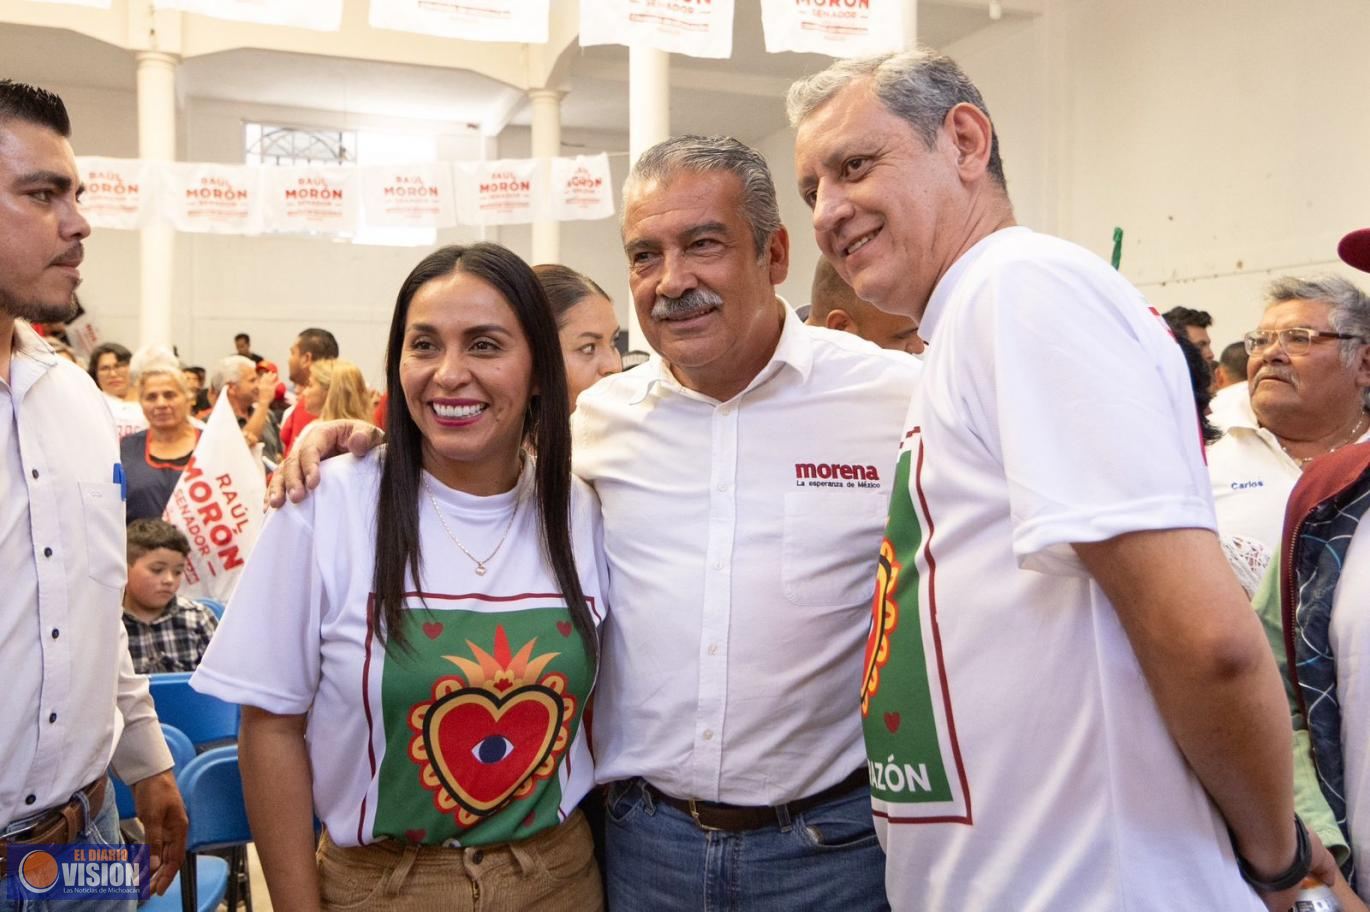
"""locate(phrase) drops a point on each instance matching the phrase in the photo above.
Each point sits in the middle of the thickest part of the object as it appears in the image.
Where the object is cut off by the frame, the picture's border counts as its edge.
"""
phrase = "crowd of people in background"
(938, 596)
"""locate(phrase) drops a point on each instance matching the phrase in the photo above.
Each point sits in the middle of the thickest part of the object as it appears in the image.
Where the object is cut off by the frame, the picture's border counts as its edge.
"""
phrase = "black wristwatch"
(1291, 876)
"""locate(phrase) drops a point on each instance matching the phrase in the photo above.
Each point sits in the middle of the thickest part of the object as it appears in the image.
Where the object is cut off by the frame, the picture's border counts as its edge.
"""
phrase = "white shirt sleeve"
(1093, 412)
(266, 651)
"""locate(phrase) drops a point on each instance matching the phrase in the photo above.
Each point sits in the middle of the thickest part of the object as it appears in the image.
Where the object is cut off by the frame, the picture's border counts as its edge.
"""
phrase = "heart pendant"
(480, 569)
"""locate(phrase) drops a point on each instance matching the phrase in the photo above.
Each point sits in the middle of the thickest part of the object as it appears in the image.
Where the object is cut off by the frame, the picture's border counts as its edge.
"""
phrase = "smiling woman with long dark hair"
(427, 620)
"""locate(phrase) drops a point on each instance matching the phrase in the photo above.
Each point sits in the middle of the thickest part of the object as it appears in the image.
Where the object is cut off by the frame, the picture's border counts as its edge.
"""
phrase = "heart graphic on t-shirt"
(415, 836)
(892, 721)
(564, 628)
(432, 629)
(483, 746)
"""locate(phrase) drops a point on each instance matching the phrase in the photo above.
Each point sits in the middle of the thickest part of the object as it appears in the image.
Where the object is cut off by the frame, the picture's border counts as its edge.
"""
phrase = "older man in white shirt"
(73, 703)
(1309, 381)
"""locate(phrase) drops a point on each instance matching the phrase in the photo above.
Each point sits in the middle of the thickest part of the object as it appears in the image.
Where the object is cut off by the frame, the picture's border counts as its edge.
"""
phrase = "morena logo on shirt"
(835, 475)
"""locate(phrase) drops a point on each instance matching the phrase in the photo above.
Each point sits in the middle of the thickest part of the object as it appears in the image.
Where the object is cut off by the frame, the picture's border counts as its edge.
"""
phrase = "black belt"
(710, 815)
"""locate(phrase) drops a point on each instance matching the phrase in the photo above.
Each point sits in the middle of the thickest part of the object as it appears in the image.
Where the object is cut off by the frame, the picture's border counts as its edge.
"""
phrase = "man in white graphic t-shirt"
(1050, 722)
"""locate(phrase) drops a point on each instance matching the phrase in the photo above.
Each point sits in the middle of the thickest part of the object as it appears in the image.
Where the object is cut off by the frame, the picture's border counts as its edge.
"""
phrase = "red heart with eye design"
(432, 629)
(483, 747)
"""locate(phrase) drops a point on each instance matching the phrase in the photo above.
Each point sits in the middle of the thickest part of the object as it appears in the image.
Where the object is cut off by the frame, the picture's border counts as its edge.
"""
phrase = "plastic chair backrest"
(203, 718)
(212, 787)
(182, 752)
(213, 605)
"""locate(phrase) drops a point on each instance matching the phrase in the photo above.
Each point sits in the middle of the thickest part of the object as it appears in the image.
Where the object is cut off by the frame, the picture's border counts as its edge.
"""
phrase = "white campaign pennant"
(120, 192)
(311, 200)
(213, 199)
(580, 188)
(699, 28)
(408, 196)
(91, 4)
(219, 504)
(518, 21)
(838, 28)
(319, 15)
(503, 192)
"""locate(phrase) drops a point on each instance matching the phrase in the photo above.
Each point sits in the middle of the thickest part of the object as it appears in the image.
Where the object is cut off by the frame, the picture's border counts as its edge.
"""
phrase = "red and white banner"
(518, 21)
(89, 4)
(219, 505)
(408, 196)
(503, 192)
(580, 188)
(303, 200)
(838, 28)
(319, 15)
(212, 199)
(699, 28)
(118, 192)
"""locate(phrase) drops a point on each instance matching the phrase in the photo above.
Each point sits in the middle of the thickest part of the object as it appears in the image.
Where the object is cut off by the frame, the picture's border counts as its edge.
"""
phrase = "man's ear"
(841, 321)
(1363, 369)
(778, 255)
(971, 134)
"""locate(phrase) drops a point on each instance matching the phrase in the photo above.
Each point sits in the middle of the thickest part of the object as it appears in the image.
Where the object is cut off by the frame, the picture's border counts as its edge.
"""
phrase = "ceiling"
(741, 96)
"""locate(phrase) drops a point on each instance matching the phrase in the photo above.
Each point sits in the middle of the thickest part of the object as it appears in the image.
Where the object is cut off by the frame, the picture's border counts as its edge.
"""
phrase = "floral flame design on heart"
(884, 618)
(492, 732)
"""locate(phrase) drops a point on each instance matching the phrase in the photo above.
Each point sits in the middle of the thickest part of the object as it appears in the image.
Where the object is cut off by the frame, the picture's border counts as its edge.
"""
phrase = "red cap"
(1355, 249)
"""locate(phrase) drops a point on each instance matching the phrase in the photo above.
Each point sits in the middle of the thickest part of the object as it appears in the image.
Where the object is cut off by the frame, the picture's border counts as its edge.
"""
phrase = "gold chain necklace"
(480, 564)
(1302, 461)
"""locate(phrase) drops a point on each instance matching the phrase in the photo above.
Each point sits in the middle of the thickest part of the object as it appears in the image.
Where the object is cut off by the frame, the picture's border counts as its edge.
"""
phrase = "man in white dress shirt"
(73, 704)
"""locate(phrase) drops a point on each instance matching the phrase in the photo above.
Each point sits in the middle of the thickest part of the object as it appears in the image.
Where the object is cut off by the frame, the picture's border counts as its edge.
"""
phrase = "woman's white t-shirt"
(469, 734)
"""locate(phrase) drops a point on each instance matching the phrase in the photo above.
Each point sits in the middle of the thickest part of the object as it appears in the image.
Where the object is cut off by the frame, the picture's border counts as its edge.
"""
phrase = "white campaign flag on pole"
(699, 28)
(503, 192)
(213, 199)
(119, 191)
(317, 200)
(838, 28)
(408, 196)
(219, 505)
(518, 21)
(580, 188)
(319, 15)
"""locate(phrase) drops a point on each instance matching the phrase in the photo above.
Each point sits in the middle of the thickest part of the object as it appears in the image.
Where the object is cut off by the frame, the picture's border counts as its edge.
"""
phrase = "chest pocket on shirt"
(102, 509)
(831, 545)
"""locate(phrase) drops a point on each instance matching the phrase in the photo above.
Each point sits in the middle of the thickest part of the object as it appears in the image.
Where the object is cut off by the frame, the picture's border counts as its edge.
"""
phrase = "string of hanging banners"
(698, 28)
(338, 200)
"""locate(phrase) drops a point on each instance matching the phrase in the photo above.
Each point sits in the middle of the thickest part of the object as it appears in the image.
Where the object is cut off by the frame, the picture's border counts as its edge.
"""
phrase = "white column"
(156, 142)
(546, 145)
(649, 122)
(910, 24)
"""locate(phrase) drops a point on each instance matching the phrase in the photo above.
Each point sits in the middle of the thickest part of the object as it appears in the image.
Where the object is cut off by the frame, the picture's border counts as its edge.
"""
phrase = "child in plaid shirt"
(166, 631)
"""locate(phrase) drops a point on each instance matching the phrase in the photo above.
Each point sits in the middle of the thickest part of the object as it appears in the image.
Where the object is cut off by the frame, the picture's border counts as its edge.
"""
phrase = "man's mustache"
(72, 257)
(692, 301)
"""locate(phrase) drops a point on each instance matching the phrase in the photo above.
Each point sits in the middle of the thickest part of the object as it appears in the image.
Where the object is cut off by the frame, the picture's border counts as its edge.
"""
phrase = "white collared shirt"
(71, 694)
(742, 538)
(1252, 477)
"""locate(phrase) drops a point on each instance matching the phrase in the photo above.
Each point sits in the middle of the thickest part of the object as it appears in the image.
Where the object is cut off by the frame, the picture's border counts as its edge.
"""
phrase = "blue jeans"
(102, 829)
(658, 859)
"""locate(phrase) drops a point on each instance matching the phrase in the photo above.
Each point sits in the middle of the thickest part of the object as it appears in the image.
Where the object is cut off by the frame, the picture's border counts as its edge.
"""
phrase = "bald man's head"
(836, 306)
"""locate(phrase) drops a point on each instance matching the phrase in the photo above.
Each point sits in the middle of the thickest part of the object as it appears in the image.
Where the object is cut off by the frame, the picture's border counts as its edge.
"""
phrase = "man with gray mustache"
(744, 472)
(1309, 379)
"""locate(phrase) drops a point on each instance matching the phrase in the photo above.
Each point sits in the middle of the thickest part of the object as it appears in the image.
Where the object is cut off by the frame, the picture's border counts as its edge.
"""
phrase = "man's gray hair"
(229, 370)
(1350, 313)
(705, 154)
(920, 86)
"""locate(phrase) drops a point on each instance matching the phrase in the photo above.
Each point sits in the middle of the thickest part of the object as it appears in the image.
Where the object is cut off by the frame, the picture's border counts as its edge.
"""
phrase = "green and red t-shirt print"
(913, 756)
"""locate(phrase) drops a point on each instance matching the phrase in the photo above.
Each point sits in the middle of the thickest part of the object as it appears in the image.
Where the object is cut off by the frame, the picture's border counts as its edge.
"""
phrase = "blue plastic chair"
(203, 718)
(182, 752)
(212, 787)
(213, 605)
(211, 879)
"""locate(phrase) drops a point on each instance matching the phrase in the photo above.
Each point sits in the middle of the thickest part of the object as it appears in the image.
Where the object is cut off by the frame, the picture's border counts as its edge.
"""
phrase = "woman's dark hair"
(546, 432)
(1201, 380)
(121, 356)
(565, 288)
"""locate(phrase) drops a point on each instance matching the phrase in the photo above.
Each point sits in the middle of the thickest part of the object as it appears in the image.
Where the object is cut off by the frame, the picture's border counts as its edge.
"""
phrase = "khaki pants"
(554, 871)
